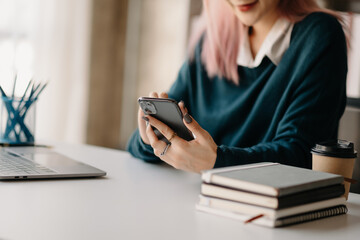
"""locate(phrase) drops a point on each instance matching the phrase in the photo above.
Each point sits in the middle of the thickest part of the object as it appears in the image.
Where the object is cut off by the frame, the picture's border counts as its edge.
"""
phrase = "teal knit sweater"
(276, 113)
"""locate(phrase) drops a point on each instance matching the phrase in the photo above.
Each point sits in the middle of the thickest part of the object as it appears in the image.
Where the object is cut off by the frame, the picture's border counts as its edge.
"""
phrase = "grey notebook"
(271, 179)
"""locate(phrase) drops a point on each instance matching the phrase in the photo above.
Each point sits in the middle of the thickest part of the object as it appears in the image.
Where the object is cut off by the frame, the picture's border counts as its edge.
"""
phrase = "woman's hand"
(142, 123)
(193, 156)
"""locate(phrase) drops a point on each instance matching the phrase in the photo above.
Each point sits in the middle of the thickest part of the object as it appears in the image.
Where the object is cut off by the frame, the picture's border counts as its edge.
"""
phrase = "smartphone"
(167, 111)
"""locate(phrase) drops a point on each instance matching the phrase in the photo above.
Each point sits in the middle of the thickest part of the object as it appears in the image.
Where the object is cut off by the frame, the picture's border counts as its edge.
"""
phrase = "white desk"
(136, 201)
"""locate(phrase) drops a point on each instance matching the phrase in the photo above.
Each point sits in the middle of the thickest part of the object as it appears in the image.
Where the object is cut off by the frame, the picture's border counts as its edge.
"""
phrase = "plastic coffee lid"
(335, 148)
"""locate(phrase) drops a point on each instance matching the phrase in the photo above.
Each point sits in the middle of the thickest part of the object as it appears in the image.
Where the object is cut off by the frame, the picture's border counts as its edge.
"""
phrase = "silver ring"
(165, 149)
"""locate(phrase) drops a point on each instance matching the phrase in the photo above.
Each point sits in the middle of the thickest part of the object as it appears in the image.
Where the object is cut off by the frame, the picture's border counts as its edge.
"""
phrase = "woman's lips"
(247, 7)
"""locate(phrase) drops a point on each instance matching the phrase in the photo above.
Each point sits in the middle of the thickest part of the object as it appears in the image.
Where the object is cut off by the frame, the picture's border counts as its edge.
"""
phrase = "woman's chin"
(247, 21)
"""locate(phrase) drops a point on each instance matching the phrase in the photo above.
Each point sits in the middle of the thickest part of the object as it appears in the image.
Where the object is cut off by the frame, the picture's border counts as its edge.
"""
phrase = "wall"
(349, 129)
(156, 47)
(108, 36)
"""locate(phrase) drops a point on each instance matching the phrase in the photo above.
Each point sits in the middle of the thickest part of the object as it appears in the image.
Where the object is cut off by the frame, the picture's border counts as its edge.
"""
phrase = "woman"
(265, 83)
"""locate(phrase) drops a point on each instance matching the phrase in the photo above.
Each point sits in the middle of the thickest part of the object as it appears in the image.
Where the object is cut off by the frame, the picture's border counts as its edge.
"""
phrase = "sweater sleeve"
(178, 91)
(313, 112)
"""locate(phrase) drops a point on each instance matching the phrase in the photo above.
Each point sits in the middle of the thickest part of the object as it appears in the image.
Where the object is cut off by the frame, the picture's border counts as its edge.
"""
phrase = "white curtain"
(56, 37)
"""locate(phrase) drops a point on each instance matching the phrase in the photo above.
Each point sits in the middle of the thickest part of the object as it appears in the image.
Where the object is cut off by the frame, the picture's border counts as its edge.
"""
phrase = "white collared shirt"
(274, 46)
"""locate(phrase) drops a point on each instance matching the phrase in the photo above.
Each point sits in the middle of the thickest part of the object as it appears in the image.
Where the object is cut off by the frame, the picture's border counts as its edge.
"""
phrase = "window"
(48, 40)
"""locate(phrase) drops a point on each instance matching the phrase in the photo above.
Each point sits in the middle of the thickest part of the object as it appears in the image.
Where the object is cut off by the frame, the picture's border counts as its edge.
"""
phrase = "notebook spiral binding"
(322, 213)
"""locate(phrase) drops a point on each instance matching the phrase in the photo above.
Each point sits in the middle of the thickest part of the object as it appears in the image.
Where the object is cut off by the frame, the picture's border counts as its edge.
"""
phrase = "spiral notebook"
(253, 210)
(280, 222)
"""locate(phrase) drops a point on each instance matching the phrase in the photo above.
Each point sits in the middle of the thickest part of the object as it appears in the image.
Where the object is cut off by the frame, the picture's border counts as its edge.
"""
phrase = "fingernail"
(182, 102)
(187, 118)
(145, 119)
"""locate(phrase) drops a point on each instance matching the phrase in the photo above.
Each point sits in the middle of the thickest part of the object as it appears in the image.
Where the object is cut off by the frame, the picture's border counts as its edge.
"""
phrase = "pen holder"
(17, 120)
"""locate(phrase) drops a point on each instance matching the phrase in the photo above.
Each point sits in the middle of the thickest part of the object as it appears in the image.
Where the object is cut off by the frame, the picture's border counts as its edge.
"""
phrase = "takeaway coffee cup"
(335, 156)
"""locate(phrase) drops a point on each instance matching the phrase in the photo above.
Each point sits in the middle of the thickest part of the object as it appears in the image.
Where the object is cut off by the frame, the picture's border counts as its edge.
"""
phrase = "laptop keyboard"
(13, 165)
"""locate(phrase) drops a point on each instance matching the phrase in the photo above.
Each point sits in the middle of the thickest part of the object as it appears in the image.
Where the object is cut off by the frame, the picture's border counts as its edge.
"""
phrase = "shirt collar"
(274, 46)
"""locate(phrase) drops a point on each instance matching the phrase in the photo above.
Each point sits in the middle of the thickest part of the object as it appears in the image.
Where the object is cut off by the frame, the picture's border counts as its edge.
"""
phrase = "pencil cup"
(17, 120)
(337, 156)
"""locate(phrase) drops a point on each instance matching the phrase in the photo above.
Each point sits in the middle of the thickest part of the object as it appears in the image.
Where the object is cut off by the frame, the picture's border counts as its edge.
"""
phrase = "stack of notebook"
(271, 194)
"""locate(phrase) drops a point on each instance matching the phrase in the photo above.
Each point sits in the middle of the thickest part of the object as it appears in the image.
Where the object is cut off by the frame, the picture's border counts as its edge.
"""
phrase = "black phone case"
(168, 112)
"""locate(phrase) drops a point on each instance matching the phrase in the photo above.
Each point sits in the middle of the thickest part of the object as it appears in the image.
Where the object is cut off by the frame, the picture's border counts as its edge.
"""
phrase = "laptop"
(41, 163)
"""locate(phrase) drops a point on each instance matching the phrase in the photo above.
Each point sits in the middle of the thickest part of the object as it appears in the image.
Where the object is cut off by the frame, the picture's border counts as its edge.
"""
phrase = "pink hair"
(223, 33)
